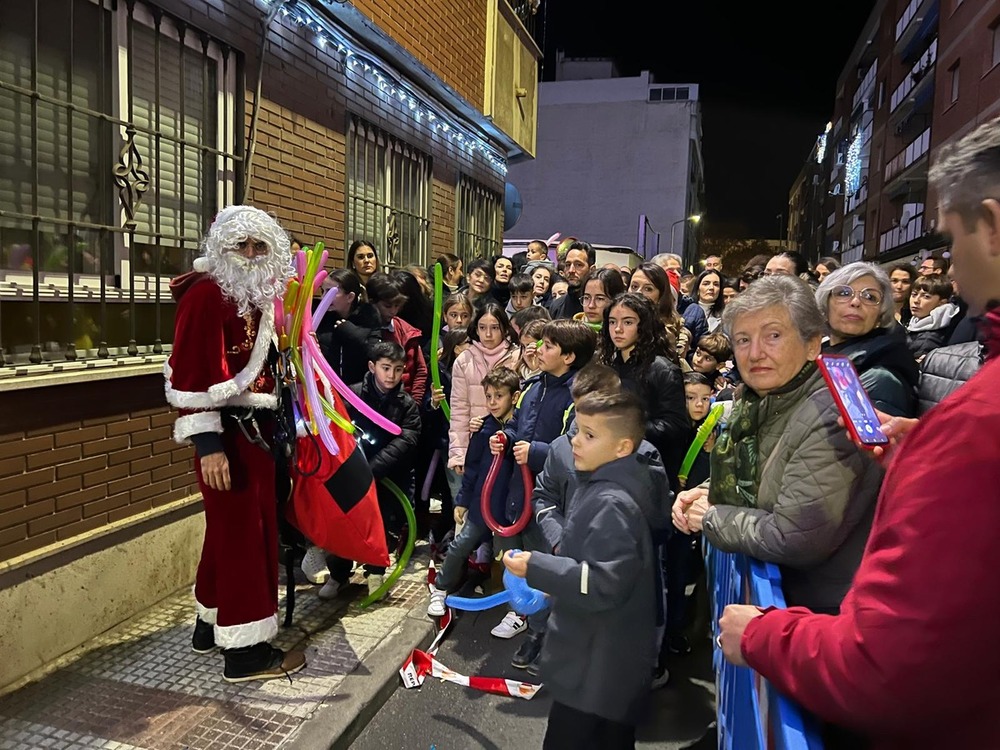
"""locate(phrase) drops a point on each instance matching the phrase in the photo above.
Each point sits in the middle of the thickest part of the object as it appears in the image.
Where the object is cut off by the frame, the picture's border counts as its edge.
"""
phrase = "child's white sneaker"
(437, 606)
(329, 590)
(511, 625)
(314, 565)
(375, 581)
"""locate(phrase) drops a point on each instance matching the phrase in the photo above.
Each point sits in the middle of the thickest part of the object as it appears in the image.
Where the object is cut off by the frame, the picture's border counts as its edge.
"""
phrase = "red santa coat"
(218, 357)
(219, 360)
(912, 660)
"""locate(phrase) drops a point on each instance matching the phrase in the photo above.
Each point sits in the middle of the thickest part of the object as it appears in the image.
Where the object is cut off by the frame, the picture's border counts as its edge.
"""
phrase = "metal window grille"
(121, 145)
(479, 222)
(388, 195)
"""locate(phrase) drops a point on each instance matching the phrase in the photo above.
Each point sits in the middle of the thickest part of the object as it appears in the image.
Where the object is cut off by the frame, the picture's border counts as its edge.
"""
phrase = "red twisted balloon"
(484, 497)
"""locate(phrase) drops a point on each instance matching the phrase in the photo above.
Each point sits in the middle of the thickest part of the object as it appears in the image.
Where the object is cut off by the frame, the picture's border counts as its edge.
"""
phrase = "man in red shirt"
(910, 661)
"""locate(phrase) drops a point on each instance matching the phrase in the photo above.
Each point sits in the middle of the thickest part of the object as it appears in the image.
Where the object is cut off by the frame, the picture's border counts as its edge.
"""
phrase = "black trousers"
(569, 729)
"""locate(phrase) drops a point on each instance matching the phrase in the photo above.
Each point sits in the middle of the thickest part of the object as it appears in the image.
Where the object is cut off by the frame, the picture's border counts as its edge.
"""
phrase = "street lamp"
(693, 218)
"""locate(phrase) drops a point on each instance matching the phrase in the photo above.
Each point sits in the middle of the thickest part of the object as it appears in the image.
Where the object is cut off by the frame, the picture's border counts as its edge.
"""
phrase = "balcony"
(897, 236)
(908, 157)
(856, 200)
(911, 90)
(918, 21)
(866, 87)
(853, 254)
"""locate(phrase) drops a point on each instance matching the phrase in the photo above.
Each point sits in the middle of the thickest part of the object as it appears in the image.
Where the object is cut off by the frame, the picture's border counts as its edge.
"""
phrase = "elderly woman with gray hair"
(787, 483)
(856, 301)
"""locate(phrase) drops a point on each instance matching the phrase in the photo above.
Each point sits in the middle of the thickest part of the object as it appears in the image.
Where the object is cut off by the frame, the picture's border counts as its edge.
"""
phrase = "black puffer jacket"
(389, 455)
(345, 342)
(887, 369)
(945, 369)
(661, 391)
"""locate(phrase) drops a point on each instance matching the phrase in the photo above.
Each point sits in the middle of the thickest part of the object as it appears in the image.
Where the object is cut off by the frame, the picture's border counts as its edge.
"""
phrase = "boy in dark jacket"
(390, 456)
(502, 386)
(541, 416)
(931, 324)
(602, 629)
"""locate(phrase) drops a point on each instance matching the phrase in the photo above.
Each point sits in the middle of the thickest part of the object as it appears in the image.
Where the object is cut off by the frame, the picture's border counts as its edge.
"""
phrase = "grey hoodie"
(559, 479)
(599, 652)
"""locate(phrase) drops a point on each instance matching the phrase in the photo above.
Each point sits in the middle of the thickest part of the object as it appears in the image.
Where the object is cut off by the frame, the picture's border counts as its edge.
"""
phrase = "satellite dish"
(512, 206)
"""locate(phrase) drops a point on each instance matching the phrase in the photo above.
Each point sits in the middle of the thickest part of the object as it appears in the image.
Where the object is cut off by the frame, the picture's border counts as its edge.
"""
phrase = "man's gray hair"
(661, 259)
(967, 172)
(847, 275)
(789, 292)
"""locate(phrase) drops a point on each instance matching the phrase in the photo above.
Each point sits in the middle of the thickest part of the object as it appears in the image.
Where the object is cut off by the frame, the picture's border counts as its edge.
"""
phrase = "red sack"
(334, 502)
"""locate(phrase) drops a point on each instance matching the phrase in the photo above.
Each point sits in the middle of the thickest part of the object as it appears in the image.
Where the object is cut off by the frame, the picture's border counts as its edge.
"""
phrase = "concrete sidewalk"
(141, 686)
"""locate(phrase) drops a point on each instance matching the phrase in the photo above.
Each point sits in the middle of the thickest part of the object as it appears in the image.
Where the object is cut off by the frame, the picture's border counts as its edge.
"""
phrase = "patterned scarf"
(735, 459)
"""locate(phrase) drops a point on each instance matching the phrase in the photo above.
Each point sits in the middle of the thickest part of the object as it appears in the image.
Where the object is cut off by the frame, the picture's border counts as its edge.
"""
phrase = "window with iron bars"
(388, 195)
(480, 222)
(119, 148)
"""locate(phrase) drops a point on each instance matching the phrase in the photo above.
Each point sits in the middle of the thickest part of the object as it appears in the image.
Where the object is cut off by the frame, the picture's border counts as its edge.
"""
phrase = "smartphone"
(855, 406)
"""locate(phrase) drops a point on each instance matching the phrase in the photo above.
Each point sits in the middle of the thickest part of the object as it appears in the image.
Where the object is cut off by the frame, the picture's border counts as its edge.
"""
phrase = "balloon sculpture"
(484, 497)
(517, 593)
(699, 440)
(312, 380)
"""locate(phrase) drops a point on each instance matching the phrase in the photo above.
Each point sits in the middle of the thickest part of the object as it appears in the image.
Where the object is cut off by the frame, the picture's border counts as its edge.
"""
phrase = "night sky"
(768, 78)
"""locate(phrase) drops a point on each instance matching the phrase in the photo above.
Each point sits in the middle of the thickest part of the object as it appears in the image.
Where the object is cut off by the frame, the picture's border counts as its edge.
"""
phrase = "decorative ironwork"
(132, 180)
(391, 239)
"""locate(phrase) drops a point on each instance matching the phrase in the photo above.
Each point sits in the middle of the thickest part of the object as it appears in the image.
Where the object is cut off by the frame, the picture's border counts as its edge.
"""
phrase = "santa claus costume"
(219, 378)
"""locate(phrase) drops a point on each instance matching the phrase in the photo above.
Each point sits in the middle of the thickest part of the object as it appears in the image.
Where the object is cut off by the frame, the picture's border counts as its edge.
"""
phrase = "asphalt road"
(446, 716)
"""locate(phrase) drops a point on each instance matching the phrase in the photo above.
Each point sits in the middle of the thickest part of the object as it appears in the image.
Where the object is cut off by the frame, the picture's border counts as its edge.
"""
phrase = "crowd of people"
(577, 388)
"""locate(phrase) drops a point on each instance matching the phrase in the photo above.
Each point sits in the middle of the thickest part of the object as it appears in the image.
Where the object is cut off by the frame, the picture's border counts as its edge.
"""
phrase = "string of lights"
(382, 80)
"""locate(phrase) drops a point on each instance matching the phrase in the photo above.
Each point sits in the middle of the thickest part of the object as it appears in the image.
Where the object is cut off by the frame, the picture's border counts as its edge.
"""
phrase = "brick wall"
(74, 458)
(448, 36)
(84, 456)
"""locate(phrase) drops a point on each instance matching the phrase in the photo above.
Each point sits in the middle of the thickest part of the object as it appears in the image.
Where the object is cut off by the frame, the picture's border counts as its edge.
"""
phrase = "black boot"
(203, 640)
(262, 661)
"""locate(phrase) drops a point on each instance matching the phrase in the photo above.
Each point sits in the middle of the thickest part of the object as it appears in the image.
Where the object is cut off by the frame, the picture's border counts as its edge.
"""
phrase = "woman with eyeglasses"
(856, 301)
(598, 291)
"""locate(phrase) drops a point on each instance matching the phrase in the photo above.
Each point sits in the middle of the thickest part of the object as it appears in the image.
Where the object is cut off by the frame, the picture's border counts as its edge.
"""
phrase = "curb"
(362, 693)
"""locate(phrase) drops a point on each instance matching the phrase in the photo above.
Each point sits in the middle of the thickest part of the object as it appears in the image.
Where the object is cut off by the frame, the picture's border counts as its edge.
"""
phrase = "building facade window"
(479, 222)
(120, 145)
(388, 194)
(954, 73)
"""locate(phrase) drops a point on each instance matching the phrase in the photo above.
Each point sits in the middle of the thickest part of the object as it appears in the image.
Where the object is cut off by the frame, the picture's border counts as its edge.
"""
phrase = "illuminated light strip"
(384, 82)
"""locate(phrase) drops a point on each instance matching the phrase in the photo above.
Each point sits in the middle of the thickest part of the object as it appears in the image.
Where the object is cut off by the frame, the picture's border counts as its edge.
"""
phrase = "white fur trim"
(201, 264)
(222, 392)
(230, 391)
(247, 634)
(256, 400)
(204, 613)
(195, 424)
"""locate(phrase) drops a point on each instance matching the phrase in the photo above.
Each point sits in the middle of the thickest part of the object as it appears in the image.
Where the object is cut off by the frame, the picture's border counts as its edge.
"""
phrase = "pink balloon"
(300, 264)
(279, 312)
(346, 393)
(320, 278)
(323, 306)
(316, 407)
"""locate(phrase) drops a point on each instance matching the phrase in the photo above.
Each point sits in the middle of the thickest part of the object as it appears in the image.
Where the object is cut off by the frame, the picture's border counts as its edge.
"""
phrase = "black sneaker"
(528, 652)
(678, 644)
(535, 668)
(262, 661)
(203, 640)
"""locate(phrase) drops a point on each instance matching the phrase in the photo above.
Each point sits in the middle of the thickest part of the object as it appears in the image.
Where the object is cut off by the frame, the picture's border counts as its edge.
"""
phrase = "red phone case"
(876, 438)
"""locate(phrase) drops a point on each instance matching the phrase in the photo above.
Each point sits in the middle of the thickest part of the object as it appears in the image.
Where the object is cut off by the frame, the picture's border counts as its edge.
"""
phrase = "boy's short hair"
(621, 408)
(697, 378)
(572, 337)
(534, 329)
(502, 377)
(520, 283)
(939, 285)
(595, 378)
(717, 344)
(389, 350)
(533, 312)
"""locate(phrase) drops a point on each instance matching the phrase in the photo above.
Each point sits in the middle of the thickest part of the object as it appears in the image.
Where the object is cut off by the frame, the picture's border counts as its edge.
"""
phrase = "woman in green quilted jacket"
(787, 483)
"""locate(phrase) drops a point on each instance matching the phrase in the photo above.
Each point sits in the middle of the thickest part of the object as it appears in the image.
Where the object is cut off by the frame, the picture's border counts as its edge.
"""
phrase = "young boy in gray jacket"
(601, 636)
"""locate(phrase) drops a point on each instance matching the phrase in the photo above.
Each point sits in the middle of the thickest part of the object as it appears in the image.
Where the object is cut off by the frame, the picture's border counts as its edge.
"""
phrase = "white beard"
(250, 283)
